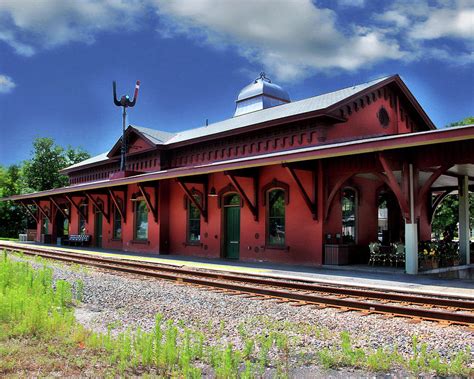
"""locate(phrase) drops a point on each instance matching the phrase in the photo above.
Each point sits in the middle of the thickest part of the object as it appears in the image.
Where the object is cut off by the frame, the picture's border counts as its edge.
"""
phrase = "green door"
(98, 229)
(232, 231)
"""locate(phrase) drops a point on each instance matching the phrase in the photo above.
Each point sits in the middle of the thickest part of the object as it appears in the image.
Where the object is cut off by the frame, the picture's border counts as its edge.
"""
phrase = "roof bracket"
(30, 212)
(97, 206)
(392, 182)
(77, 207)
(58, 207)
(310, 200)
(42, 211)
(153, 208)
(120, 208)
(252, 174)
(202, 207)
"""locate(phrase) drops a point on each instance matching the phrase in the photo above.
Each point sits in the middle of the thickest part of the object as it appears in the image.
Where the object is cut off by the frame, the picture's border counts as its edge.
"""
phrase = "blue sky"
(58, 59)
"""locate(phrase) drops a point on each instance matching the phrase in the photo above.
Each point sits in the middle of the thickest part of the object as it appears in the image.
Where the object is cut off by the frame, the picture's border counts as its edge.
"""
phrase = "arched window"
(117, 226)
(349, 215)
(276, 202)
(141, 221)
(194, 219)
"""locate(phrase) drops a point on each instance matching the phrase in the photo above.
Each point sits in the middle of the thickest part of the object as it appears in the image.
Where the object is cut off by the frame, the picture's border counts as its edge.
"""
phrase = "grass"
(39, 336)
(8, 239)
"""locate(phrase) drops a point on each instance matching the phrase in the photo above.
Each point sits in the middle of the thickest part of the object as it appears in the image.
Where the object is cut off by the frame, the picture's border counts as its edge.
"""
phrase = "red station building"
(300, 182)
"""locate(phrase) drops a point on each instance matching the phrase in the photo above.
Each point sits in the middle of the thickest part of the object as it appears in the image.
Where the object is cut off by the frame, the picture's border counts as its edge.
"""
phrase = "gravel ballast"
(125, 301)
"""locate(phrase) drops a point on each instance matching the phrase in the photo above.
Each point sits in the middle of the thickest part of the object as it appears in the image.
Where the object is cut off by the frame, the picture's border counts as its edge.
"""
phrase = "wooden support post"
(152, 208)
(35, 217)
(58, 207)
(97, 206)
(41, 210)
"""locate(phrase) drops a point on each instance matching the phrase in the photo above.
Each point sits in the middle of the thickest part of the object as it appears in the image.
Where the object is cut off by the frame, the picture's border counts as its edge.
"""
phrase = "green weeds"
(33, 305)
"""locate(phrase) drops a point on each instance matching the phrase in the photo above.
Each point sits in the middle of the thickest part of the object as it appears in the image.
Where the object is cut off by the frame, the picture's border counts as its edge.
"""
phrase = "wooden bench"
(77, 239)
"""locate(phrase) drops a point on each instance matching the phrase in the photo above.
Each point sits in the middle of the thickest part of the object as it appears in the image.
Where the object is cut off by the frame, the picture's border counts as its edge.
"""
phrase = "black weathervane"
(125, 103)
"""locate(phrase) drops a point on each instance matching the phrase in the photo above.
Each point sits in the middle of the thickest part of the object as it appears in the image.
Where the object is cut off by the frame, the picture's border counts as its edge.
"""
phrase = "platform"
(384, 278)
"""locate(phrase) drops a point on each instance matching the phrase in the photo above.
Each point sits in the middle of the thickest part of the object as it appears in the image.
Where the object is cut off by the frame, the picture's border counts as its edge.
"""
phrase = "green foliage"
(32, 305)
(12, 216)
(446, 215)
(42, 170)
(420, 362)
(39, 173)
(467, 121)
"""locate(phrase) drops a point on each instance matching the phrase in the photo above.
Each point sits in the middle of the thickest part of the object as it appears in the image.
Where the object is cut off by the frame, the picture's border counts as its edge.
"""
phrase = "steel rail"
(346, 291)
(346, 304)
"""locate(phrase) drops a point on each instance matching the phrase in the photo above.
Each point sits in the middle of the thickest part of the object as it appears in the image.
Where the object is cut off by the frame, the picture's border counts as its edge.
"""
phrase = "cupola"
(260, 94)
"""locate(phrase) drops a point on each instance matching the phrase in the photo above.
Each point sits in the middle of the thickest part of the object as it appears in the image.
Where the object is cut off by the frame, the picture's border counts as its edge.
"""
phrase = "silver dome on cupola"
(260, 94)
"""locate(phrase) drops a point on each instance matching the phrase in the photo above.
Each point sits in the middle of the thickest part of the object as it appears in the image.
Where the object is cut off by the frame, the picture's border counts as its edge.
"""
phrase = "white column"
(464, 231)
(411, 248)
(411, 232)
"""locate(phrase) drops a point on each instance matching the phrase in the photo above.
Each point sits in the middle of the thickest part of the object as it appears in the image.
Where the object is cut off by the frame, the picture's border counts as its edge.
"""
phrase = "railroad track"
(394, 304)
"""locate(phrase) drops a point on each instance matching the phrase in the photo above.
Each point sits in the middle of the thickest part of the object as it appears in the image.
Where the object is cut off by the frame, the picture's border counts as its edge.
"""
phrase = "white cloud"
(290, 38)
(51, 23)
(6, 84)
(457, 23)
(429, 28)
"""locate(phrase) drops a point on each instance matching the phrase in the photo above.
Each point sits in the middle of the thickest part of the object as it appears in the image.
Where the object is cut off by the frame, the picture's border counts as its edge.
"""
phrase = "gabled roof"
(322, 105)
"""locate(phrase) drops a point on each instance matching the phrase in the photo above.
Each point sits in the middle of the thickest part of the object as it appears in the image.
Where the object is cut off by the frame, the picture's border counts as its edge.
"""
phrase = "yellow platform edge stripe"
(124, 256)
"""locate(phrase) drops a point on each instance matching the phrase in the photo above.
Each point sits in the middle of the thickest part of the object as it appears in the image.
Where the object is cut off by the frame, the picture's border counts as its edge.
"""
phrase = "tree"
(39, 173)
(467, 121)
(42, 170)
(13, 217)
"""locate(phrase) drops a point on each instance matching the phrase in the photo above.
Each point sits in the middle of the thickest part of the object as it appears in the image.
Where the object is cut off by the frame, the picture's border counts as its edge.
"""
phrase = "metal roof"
(96, 159)
(311, 104)
(158, 137)
(361, 146)
(280, 111)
